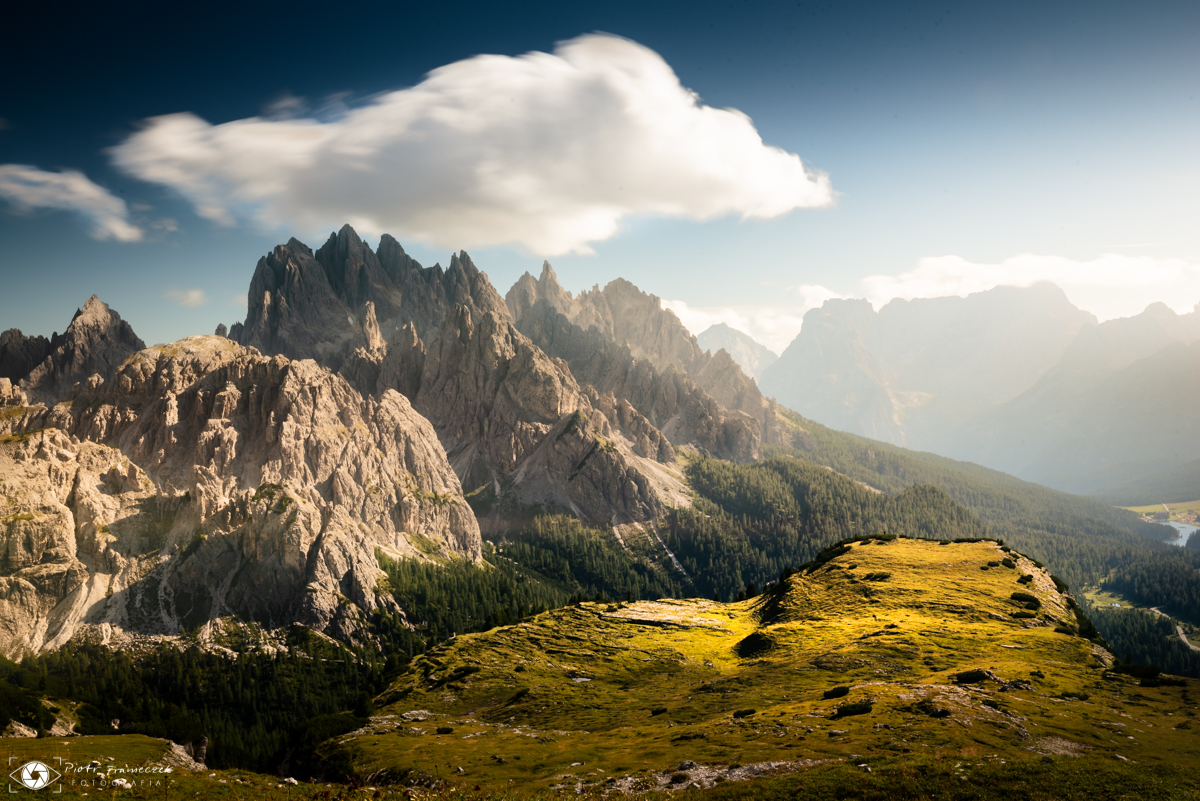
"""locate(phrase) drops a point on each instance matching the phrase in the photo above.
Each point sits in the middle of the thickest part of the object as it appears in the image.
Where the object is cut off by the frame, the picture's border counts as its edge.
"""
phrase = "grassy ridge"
(939, 661)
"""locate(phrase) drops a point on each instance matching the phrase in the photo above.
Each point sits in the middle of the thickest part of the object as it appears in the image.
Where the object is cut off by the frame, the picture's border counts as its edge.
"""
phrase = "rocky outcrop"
(96, 342)
(205, 479)
(635, 321)
(514, 420)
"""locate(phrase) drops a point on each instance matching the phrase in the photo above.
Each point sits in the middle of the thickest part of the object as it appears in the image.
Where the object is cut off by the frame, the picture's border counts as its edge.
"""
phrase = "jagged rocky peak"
(528, 291)
(672, 403)
(96, 342)
(629, 317)
(306, 305)
(206, 479)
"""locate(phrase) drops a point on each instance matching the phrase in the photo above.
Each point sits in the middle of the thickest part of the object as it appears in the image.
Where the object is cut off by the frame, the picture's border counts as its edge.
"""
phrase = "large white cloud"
(549, 151)
(29, 188)
(1109, 286)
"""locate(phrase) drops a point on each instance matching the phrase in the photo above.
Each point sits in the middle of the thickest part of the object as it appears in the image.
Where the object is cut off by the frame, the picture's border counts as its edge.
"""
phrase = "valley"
(394, 525)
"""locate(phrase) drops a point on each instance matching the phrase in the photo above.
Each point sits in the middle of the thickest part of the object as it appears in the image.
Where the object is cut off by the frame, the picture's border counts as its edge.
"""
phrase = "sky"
(743, 161)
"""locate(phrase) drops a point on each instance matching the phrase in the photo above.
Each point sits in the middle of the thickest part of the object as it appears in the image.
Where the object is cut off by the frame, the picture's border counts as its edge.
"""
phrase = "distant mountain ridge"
(742, 348)
(1013, 378)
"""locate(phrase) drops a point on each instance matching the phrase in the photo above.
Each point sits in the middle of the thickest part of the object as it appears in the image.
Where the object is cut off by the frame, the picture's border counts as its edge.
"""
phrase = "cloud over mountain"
(28, 188)
(549, 151)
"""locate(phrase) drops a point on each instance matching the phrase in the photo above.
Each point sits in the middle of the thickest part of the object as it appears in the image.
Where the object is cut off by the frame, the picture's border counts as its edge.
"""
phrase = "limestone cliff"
(205, 479)
(445, 340)
(683, 412)
(19, 354)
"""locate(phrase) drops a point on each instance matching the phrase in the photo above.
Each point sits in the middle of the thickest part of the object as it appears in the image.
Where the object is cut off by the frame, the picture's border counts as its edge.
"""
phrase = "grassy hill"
(882, 652)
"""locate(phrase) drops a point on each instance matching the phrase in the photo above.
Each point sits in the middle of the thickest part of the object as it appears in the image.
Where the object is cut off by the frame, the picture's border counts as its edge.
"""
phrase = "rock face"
(95, 343)
(752, 357)
(684, 413)
(204, 480)
(515, 420)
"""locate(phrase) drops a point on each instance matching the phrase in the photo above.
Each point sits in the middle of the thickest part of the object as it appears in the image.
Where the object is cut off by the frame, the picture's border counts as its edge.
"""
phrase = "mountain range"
(1017, 379)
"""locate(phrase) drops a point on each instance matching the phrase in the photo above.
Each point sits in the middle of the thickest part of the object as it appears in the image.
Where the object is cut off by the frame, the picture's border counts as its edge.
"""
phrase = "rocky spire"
(97, 341)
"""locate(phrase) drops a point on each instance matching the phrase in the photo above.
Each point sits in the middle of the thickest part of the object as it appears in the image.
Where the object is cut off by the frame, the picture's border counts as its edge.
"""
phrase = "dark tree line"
(750, 522)
(1168, 579)
(1141, 637)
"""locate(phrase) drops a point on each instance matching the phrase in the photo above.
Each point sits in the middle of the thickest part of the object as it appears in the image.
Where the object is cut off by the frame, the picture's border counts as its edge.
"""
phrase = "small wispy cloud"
(28, 188)
(188, 297)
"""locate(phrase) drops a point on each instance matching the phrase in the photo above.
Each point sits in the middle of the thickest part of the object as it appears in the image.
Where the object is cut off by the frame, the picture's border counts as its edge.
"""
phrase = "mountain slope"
(1120, 402)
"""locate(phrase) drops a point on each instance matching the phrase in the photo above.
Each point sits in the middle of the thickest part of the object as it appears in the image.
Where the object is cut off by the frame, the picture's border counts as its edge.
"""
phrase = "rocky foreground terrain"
(258, 472)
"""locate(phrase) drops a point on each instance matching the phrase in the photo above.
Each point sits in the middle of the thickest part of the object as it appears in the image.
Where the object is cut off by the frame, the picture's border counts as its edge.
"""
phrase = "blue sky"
(965, 146)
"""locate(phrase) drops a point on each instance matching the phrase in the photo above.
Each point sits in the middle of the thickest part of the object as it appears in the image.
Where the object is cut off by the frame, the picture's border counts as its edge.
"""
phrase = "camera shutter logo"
(34, 775)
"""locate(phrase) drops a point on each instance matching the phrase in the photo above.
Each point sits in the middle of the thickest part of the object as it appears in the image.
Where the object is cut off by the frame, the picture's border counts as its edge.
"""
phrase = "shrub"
(837, 692)
(1023, 615)
(1008, 563)
(1026, 579)
(745, 713)
(971, 676)
(679, 778)
(993, 564)
(926, 707)
(1164, 681)
(1030, 601)
(1059, 584)
(853, 708)
(877, 576)
(993, 704)
(658, 710)
(1064, 630)
(445, 730)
